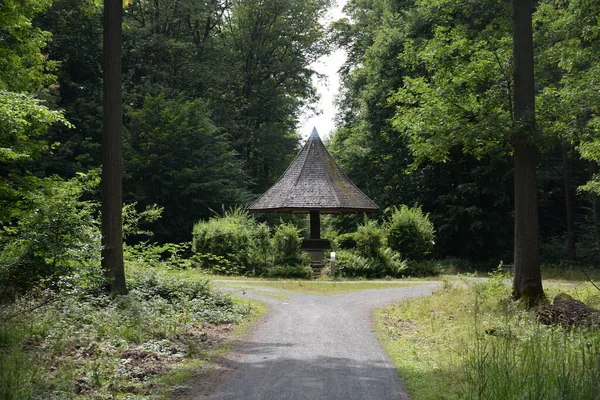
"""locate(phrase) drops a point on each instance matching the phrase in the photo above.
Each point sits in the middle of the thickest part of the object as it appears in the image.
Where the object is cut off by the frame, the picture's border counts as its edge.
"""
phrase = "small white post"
(332, 264)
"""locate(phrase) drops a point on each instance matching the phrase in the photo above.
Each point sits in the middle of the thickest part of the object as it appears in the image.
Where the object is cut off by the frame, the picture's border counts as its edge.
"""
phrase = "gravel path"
(316, 347)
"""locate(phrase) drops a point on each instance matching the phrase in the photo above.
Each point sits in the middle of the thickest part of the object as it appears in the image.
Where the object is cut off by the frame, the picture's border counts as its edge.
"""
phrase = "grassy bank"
(319, 287)
(142, 345)
(468, 341)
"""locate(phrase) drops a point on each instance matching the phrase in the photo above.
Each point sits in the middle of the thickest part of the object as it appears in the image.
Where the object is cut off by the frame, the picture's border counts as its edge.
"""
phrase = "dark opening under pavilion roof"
(313, 182)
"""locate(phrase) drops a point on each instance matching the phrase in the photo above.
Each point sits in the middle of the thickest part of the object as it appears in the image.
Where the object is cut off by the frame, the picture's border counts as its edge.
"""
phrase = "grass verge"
(183, 376)
(88, 345)
(320, 287)
(247, 288)
(468, 341)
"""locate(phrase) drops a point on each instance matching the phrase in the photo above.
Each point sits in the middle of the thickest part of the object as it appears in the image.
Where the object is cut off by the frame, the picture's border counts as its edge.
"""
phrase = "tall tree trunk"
(527, 284)
(112, 164)
(568, 202)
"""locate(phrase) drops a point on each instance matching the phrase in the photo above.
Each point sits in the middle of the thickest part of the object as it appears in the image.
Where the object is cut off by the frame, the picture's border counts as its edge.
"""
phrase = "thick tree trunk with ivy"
(527, 283)
(112, 149)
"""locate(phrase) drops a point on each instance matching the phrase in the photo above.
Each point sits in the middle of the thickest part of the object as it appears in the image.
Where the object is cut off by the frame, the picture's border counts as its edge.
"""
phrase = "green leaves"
(23, 122)
(175, 157)
(49, 232)
(23, 67)
(461, 95)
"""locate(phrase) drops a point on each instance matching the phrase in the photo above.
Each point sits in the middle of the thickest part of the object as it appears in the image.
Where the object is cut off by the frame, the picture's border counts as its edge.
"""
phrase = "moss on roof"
(313, 181)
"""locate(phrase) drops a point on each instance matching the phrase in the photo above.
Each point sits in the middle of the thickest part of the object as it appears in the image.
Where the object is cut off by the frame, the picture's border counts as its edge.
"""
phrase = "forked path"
(317, 347)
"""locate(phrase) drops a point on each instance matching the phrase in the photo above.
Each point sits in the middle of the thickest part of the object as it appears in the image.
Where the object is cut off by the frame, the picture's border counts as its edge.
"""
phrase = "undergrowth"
(90, 345)
(470, 341)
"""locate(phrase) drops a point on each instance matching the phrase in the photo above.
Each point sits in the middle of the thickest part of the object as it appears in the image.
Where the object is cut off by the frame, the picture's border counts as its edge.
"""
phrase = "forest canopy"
(427, 117)
(213, 92)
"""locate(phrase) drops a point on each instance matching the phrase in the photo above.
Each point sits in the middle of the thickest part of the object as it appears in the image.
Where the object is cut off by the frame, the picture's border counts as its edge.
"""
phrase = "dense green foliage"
(226, 243)
(236, 243)
(212, 92)
(426, 117)
(410, 232)
(55, 235)
(208, 123)
(287, 242)
(399, 246)
(176, 156)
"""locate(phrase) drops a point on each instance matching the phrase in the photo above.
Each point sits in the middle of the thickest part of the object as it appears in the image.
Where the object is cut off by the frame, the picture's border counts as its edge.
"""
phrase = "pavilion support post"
(315, 225)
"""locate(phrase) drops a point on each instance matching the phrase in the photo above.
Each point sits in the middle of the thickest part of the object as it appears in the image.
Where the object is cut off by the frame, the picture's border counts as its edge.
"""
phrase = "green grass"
(320, 287)
(570, 274)
(440, 346)
(246, 288)
(137, 346)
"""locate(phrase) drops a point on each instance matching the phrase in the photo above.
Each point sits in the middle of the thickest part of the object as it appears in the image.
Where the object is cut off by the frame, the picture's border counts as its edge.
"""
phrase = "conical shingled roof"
(313, 181)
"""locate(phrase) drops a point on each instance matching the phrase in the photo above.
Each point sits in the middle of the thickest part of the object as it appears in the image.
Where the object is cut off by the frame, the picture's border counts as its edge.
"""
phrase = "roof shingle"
(313, 181)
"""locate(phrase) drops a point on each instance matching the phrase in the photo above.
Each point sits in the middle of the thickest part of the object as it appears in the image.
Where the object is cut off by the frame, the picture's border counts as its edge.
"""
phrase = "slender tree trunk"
(568, 202)
(112, 164)
(527, 284)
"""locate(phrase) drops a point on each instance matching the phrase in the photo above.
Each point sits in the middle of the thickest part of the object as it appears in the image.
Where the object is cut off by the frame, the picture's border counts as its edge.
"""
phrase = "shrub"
(369, 239)
(290, 271)
(391, 263)
(230, 237)
(54, 234)
(260, 253)
(346, 241)
(386, 263)
(351, 264)
(410, 232)
(287, 245)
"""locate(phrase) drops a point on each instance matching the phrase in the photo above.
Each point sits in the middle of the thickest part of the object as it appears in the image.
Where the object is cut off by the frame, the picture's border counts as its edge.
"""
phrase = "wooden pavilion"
(314, 184)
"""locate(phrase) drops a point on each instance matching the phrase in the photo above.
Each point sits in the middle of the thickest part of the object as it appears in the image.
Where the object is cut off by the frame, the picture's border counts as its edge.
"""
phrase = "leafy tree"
(271, 45)
(177, 158)
(23, 67)
(24, 116)
(384, 40)
(76, 47)
(23, 124)
(172, 47)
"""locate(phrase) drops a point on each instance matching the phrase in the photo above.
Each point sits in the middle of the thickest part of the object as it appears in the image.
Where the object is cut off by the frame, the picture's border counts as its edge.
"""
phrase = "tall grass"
(545, 364)
(470, 341)
(519, 358)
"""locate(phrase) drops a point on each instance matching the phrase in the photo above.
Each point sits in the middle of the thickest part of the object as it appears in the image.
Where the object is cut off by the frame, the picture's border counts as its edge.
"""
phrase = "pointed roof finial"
(314, 133)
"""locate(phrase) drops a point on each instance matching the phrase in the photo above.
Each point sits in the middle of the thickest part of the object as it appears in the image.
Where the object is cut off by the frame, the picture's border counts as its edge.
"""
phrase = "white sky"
(326, 88)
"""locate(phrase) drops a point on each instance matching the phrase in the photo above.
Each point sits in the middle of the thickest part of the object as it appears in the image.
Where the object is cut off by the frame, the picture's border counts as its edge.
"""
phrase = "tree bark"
(112, 164)
(527, 284)
(568, 202)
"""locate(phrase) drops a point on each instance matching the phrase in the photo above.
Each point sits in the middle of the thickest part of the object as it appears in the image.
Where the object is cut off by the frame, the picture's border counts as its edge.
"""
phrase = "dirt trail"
(313, 347)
